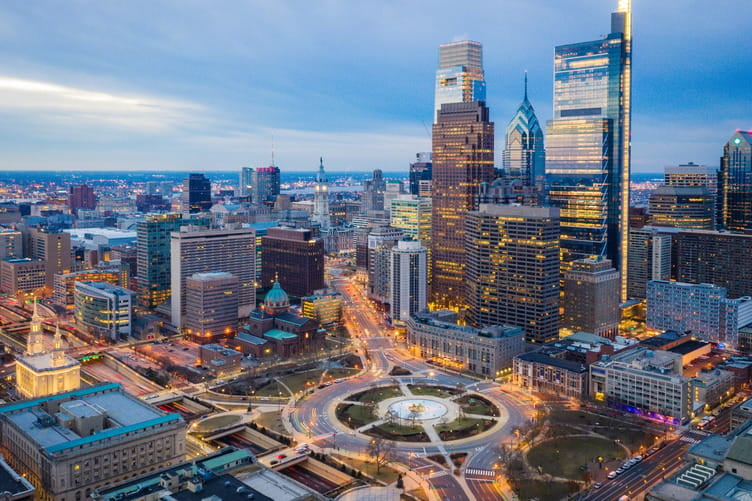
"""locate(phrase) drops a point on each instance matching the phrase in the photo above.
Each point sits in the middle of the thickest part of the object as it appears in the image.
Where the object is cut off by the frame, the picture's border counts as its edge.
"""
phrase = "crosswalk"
(479, 473)
(689, 440)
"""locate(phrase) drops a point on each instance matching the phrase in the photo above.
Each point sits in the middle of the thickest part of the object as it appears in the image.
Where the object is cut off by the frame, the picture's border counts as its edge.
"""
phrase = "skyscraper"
(649, 259)
(266, 185)
(463, 158)
(459, 78)
(381, 241)
(81, 196)
(420, 170)
(691, 207)
(408, 281)
(245, 182)
(512, 269)
(373, 193)
(524, 154)
(736, 182)
(196, 193)
(321, 199)
(293, 256)
(153, 257)
(591, 298)
(588, 143)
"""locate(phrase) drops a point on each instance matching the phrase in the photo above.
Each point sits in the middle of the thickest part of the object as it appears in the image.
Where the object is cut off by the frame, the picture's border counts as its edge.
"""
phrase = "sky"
(204, 85)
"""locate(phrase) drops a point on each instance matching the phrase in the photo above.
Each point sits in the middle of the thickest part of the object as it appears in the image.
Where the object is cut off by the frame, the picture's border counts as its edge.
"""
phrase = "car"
(597, 485)
(619, 471)
(264, 399)
(612, 475)
(338, 380)
(282, 456)
(638, 458)
(274, 462)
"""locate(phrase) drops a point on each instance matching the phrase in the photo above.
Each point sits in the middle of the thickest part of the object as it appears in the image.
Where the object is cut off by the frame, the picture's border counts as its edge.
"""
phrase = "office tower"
(588, 144)
(81, 196)
(11, 243)
(69, 444)
(54, 248)
(393, 190)
(591, 297)
(245, 182)
(212, 306)
(321, 199)
(64, 289)
(524, 154)
(463, 156)
(381, 241)
(153, 257)
(691, 207)
(716, 258)
(412, 215)
(691, 174)
(649, 259)
(409, 281)
(459, 78)
(22, 274)
(420, 170)
(295, 257)
(266, 185)
(512, 269)
(736, 182)
(196, 193)
(103, 309)
(202, 251)
(40, 371)
(373, 193)
(324, 306)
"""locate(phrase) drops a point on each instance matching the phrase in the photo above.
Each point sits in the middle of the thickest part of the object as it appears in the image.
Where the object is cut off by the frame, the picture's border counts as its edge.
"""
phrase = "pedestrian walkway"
(478, 473)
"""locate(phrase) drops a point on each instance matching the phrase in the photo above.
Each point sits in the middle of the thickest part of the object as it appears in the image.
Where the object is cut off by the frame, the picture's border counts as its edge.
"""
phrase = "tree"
(381, 450)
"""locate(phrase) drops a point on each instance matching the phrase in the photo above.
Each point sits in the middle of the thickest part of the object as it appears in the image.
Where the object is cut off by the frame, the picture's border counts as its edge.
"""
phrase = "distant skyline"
(202, 87)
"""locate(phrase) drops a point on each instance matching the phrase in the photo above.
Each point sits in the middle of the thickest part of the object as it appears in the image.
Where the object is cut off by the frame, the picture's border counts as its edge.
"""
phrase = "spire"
(57, 356)
(525, 85)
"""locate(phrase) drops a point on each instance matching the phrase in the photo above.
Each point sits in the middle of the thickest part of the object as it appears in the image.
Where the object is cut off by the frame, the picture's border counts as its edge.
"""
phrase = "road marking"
(479, 472)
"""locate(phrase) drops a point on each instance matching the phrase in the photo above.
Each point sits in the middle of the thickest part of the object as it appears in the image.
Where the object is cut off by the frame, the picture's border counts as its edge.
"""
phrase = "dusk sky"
(201, 86)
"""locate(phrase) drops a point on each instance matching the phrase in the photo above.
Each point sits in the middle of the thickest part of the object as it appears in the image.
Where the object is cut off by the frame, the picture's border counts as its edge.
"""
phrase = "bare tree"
(381, 450)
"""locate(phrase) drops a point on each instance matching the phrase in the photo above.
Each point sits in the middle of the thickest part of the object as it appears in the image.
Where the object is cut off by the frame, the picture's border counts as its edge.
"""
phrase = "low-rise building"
(104, 309)
(219, 359)
(545, 373)
(709, 389)
(485, 351)
(22, 275)
(324, 306)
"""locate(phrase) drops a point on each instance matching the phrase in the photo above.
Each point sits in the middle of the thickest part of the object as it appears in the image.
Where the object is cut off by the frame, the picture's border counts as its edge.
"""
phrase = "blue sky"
(201, 86)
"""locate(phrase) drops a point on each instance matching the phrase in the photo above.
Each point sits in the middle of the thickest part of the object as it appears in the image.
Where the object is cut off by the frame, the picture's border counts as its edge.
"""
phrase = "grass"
(387, 475)
(432, 391)
(474, 404)
(359, 415)
(462, 428)
(272, 421)
(562, 457)
(377, 394)
(337, 373)
(541, 490)
(398, 432)
(629, 430)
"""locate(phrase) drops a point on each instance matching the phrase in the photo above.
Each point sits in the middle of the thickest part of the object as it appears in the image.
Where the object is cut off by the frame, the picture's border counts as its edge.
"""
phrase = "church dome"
(277, 297)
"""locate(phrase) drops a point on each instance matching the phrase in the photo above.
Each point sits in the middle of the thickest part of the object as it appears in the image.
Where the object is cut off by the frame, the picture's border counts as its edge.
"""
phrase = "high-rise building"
(394, 189)
(420, 170)
(412, 215)
(588, 144)
(321, 199)
(22, 274)
(649, 259)
(245, 182)
(381, 241)
(512, 269)
(11, 243)
(153, 257)
(212, 306)
(591, 298)
(463, 158)
(691, 207)
(459, 78)
(266, 185)
(40, 371)
(81, 196)
(196, 193)
(524, 154)
(713, 257)
(736, 182)
(54, 248)
(203, 251)
(691, 174)
(294, 256)
(71, 443)
(373, 193)
(408, 281)
(104, 309)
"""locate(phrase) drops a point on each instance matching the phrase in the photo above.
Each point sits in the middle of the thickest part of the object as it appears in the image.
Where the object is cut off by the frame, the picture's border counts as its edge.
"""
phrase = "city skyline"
(122, 87)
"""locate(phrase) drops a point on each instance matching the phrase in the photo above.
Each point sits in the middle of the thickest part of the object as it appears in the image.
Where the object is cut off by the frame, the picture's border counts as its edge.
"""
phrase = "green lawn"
(272, 421)
(397, 432)
(354, 416)
(333, 374)
(386, 475)
(630, 430)
(562, 457)
(377, 394)
(473, 404)
(433, 391)
(462, 428)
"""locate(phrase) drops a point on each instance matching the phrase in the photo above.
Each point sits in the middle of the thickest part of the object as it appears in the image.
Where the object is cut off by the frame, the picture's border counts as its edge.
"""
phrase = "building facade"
(64, 290)
(381, 241)
(736, 182)
(54, 248)
(204, 251)
(295, 257)
(691, 207)
(463, 158)
(408, 281)
(591, 298)
(153, 257)
(588, 143)
(460, 77)
(11, 243)
(420, 171)
(324, 306)
(649, 259)
(543, 373)
(484, 351)
(22, 275)
(104, 309)
(524, 155)
(321, 213)
(81, 196)
(211, 306)
(196, 193)
(512, 269)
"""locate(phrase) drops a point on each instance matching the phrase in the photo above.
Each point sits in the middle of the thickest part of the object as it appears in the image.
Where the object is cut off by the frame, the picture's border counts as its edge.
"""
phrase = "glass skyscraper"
(459, 78)
(736, 182)
(524, 154)
(588, 144)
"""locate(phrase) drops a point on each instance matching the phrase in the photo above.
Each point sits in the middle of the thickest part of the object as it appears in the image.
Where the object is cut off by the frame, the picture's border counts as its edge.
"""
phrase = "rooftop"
(279, 334)
(12, 482)
(250, 338)
(542, 358)
(688, 347)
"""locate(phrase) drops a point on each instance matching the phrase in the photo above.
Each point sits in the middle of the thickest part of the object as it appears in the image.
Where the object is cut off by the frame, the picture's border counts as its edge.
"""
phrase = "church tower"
(321, 199)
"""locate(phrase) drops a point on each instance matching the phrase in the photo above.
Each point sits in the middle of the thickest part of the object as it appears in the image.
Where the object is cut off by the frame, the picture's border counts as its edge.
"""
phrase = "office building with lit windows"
(591, 298)
(196, 193)
(649, 259)
(153, 257)
(463, 158)
(64, 291)
(524, 155)
(22, 275)
(412, 215)
(512, 269)
(736, 182)
(381, 241)
(206, 251)
(292, 256)
(54, 248)
(420, 172)
(408, 280)
(70, 444)
(211, 306)
(104, 309)
(588, 144)
(459, 78)
(324, 306)
(11, 243)
(691, 207)
(483, 351)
